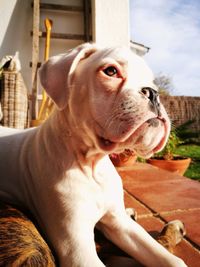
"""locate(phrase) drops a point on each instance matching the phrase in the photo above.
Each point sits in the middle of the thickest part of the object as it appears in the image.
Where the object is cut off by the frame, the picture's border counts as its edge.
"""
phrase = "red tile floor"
(158, 197)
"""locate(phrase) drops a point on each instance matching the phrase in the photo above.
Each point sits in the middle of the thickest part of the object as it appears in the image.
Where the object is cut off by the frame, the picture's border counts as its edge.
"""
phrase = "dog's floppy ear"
(55, 74)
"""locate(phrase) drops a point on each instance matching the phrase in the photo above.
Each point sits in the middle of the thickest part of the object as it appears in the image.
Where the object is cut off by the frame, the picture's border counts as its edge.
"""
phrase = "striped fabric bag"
(14, 100)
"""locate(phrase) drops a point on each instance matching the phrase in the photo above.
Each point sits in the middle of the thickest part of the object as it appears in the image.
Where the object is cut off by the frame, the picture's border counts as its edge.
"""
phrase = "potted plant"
(167, 159)
(126, 158)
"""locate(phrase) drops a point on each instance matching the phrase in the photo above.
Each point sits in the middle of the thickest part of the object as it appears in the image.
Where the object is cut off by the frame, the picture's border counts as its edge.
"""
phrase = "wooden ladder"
(37, 34)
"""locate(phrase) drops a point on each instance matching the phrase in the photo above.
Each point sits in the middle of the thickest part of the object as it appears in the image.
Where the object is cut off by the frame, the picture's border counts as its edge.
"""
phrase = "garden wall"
(182, 109)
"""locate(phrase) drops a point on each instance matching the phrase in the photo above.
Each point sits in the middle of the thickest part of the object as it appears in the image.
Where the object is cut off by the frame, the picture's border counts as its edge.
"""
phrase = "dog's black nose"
(152, 95)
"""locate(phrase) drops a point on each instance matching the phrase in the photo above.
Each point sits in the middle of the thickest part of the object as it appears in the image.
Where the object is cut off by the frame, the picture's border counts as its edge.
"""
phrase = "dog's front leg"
(75, 246)
(134, 240)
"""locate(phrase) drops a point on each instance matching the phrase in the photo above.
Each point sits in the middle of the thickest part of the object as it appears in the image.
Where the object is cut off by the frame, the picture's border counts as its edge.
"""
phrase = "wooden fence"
(182, 109)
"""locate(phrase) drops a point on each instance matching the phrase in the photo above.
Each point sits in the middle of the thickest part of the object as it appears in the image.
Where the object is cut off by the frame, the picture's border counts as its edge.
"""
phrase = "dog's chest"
(108, 188)
(92, 193)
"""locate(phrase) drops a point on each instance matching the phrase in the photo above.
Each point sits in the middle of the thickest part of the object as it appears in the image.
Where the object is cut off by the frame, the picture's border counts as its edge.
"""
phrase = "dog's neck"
(69, 141)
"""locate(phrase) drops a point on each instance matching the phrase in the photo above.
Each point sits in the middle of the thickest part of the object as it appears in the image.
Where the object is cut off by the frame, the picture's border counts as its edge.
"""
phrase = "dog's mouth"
(135, 138)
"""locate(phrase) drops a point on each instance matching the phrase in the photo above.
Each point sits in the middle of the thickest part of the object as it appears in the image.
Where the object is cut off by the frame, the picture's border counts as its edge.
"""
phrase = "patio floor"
(158, 197)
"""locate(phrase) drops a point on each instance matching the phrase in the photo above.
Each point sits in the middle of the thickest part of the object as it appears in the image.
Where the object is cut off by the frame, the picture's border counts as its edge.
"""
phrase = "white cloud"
(172, 30)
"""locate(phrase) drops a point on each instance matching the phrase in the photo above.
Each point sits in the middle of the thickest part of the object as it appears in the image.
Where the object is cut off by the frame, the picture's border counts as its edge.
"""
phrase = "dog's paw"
(132, 213)
(172, 234)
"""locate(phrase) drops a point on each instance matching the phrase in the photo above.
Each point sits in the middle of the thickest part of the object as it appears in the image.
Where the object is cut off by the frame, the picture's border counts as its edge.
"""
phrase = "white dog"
(106, 101)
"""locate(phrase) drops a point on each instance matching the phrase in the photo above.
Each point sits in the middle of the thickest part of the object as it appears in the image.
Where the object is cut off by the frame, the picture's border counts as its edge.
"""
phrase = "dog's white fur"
(60, 171)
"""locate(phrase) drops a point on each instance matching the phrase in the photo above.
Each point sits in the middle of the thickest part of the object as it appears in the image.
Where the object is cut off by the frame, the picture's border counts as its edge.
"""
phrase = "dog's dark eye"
(110, 71)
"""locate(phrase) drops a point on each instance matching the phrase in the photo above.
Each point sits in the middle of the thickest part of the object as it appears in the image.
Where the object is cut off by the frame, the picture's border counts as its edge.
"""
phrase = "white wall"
(111, 22)
(6, 10)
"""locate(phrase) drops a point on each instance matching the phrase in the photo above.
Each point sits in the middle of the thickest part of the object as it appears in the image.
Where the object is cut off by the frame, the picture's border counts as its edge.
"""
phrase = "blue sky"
(171, 28)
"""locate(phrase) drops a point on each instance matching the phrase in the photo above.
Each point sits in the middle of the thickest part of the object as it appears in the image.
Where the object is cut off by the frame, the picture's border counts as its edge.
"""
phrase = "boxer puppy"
(106, 102)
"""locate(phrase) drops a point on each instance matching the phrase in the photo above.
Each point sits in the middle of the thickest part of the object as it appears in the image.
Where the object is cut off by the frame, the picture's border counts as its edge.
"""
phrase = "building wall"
(111, 22)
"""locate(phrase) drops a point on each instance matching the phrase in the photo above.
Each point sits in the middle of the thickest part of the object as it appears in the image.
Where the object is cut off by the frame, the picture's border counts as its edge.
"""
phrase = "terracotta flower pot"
(178, 165)
(127, 158)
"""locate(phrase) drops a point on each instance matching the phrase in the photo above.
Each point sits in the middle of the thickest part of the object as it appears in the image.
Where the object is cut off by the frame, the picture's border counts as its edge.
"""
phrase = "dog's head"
(110, 92)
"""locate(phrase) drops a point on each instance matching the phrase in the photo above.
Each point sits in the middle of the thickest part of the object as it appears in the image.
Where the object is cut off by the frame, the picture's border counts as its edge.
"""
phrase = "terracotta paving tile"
(151, 224)
(131, 202)
(163, 194)
(169, 195)
(142, 172)
(191, 220)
